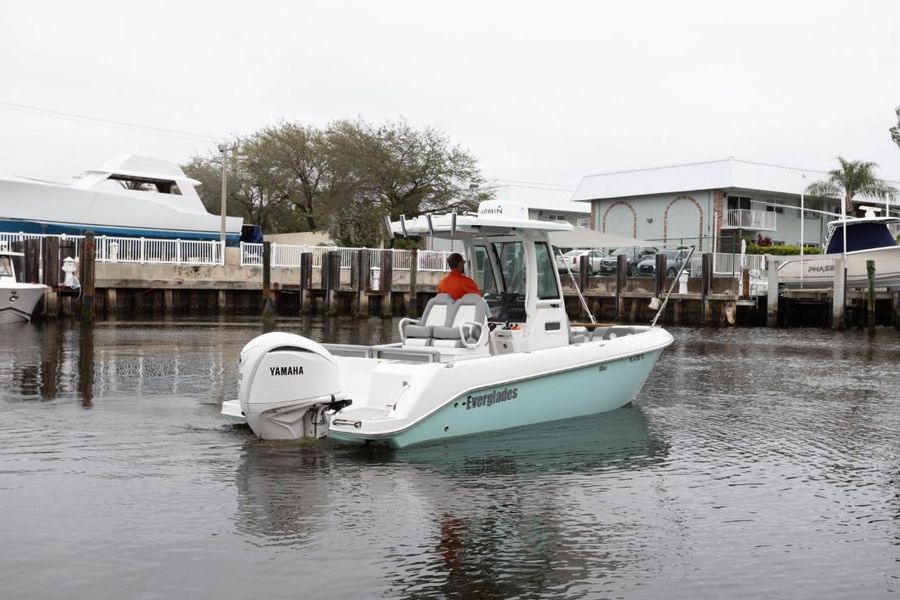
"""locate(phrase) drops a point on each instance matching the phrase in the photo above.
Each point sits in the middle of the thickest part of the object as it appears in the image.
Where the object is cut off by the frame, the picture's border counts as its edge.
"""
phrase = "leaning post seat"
(418, 332)
(467, 327)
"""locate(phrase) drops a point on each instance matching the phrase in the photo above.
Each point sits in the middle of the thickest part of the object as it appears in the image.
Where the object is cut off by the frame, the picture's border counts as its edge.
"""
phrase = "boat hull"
(18, 301)
(586, 390)
(818, 270)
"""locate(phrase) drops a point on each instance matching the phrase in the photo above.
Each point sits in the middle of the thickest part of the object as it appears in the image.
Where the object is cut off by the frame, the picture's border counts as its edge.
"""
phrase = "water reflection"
(458, 518)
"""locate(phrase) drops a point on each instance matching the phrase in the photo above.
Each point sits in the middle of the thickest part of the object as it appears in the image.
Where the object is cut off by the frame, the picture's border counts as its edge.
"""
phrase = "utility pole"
(223, 148)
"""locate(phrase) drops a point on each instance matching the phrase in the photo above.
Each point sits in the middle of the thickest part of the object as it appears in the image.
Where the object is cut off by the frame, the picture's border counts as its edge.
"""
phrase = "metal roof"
(540, 197)
(712, 175)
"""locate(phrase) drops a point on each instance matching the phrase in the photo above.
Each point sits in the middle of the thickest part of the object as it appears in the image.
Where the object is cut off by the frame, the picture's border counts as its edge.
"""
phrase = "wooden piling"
(386, 282)
(660, 274)
(839, 298)
(584, 271)
(305, 281)
(896, 311)
(331, 273)
(88, 255)
(50, 276)
(870, 311)
(621, 268)
(361, 284)
(745, 283)
(412, 304)
(772, 298)
(706, 274)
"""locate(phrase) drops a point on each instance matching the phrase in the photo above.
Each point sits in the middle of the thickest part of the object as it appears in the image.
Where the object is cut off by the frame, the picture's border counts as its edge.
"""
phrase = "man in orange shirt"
(456, 283)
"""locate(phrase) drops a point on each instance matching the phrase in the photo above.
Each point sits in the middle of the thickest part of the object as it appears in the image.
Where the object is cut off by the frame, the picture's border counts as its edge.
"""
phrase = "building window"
(770, 207)
(738, 203)
(583, 222)
(556, 217)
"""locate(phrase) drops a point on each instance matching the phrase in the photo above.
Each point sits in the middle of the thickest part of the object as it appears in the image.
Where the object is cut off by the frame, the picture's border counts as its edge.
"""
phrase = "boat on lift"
(473, 365)
(17, 299)
(868, 238)
(130, 196)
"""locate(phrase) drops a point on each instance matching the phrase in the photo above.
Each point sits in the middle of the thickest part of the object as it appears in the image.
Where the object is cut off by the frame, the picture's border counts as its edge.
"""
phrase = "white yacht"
(868, 238)
(473, 365)
(130, 196)
(17, 300)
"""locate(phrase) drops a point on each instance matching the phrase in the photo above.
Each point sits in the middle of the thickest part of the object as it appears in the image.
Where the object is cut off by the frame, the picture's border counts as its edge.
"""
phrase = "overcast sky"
(538, 91)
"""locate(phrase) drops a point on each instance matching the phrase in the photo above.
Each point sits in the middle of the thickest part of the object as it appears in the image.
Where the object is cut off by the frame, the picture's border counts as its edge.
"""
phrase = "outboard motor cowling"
(286, 383)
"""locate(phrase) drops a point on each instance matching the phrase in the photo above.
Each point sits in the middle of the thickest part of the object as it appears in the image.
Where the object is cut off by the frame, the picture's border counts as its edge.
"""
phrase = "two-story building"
(712, 205)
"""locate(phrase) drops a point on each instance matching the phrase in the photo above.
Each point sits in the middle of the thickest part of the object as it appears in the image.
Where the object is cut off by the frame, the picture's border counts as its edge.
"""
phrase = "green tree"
(254, 193)
(405, 170)
(343, 178)
(854, 177)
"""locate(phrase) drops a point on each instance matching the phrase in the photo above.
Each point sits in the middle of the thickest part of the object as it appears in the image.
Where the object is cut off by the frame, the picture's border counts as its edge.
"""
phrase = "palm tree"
(852, 178)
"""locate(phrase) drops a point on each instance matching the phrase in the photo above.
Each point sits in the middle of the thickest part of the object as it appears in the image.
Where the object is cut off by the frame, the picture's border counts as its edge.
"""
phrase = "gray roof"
(712, 175)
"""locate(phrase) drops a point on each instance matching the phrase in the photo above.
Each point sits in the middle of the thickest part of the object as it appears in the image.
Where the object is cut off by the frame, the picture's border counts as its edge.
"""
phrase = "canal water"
(755, 463)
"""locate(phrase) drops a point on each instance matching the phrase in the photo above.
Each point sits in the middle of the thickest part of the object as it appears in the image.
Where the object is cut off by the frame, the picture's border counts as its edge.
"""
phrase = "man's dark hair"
(454, 260)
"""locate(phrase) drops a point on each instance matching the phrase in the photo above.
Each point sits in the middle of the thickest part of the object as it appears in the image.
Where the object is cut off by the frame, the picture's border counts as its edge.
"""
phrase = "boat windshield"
(5, 267)
(483, 272)
(512, 266)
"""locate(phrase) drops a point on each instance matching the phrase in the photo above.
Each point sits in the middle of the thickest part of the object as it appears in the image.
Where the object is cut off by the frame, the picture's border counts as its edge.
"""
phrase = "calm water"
(755, 463)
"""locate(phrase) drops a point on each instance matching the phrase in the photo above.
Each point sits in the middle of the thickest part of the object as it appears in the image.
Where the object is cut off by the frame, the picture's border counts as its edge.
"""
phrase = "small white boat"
(17, 300)
(129, 196)
(868, 238)
(468, 366)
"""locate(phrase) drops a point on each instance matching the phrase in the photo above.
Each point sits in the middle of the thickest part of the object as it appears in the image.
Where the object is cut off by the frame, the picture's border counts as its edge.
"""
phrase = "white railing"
(289, 256)
(728, 264)
(137, 250)
(760, 220)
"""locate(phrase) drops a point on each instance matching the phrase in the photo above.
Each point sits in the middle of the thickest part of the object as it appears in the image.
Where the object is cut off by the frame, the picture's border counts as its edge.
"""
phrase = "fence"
(190, 252)
(289, 256)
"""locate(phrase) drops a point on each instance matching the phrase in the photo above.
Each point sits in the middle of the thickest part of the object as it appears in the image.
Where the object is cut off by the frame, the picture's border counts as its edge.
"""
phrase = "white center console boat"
(467, 366)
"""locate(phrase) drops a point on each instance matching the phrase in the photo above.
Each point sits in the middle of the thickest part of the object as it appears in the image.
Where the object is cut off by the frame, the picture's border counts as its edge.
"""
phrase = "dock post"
(584, 271)
(412, 305)
(269, 310)
(661, 267)
(772, 297)
(839, 299)
(88, 255)
(745, 283)
(387, 283)
(896, 313)
(112, 302)
(706, 268)
(870, 312)
(168, 302)
(221, 300)
(621, 267)
(361, 283)
(331, 271)
(51, 275)
(305, 280)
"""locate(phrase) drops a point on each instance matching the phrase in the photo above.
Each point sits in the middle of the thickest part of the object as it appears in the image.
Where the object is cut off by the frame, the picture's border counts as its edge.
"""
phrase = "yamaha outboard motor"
(287, 382)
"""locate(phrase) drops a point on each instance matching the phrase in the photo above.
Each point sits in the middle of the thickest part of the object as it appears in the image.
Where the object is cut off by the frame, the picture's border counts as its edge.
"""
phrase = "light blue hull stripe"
(575, 393)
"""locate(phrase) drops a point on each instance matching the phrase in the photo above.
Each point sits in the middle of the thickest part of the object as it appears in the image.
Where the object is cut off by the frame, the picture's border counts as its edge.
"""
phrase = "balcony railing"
(757, 220)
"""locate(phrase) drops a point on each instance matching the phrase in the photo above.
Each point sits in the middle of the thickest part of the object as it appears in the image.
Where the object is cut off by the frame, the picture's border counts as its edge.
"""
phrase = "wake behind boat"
(130, 196)
(467, 366)
(867, 238)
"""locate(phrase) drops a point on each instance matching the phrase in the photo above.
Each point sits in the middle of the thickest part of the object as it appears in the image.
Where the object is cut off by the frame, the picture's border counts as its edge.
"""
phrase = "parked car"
(674, 260)
(572, 260)
(635, 254)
